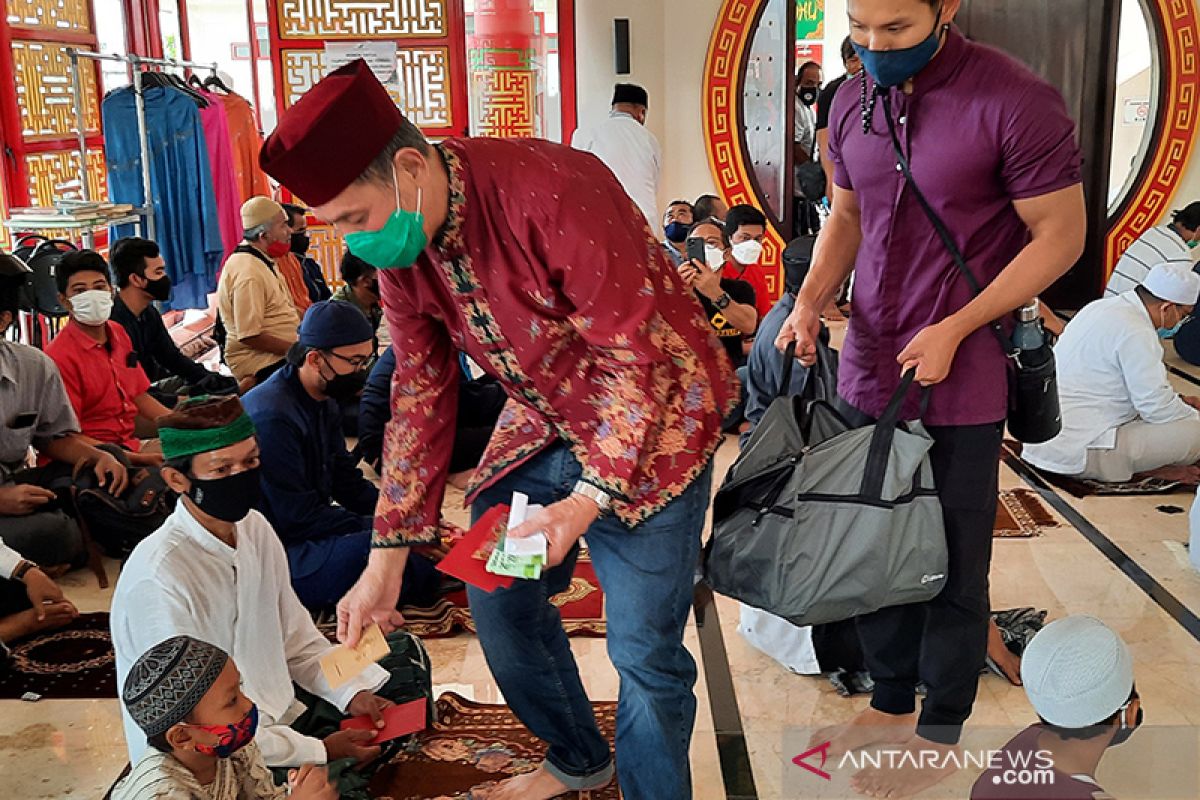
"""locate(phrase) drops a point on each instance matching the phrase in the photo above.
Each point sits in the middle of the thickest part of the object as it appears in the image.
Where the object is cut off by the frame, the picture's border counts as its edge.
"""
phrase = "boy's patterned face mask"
(230, 738)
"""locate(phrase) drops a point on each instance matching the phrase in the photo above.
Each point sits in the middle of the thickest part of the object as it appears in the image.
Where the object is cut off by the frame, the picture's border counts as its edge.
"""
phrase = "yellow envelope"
(342, 663)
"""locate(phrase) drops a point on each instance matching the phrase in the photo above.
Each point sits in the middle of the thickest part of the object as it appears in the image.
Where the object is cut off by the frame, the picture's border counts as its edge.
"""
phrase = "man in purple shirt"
(994, 152)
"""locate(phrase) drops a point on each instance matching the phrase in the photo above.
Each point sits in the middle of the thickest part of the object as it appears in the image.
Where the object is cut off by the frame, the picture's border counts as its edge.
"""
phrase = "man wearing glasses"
(1120, 417)
(313, 492)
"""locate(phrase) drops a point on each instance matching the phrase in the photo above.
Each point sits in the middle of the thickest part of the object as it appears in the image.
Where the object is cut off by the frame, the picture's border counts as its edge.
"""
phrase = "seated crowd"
(213, 626)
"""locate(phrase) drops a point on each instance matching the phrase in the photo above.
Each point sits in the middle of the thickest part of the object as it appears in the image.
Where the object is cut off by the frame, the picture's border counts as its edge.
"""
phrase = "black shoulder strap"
(938, 225)
(254, 251)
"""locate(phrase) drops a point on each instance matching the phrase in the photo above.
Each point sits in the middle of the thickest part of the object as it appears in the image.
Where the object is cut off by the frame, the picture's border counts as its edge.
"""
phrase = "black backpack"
(117, 524)
(40, 292)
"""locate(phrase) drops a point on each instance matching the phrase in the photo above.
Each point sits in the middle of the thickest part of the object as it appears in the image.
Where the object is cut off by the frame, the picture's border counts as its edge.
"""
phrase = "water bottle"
(1033, 410)
(1029, 336)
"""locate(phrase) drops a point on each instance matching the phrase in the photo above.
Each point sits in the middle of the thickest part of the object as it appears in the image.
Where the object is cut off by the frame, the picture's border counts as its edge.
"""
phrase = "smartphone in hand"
(695, 249)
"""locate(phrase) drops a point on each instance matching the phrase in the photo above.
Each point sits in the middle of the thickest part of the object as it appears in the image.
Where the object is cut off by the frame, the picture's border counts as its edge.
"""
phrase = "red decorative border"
(1178, 121)
(722, 120)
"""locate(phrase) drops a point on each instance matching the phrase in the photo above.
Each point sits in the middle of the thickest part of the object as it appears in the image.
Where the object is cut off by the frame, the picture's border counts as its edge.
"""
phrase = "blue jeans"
(647, 574)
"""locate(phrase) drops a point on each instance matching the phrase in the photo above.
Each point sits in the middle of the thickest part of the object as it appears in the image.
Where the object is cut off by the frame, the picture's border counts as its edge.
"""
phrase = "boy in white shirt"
(217, 571)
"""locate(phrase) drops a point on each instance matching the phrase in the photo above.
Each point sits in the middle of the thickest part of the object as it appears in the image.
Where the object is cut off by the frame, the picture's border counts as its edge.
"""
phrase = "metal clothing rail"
(136, 62)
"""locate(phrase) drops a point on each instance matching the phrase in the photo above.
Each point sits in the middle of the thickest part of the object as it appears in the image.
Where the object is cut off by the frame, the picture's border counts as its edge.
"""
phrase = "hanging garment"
(181, 186)
(224, 174)
(246, 141)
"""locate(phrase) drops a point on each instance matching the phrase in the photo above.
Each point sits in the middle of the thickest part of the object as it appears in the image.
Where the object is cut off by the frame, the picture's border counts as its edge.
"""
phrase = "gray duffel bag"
(819, 522)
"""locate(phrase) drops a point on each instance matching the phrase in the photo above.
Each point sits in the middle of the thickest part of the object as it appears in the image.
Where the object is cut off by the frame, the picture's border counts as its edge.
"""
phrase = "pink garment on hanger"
(224, 173)
(247, 141)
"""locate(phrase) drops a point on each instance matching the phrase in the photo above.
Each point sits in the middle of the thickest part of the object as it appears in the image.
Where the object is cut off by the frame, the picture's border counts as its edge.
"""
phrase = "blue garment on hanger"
(185, 204)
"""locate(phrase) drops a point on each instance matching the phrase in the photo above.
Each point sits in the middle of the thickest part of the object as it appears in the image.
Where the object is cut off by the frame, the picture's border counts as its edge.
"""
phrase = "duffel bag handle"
(789, 362)
(881, 439)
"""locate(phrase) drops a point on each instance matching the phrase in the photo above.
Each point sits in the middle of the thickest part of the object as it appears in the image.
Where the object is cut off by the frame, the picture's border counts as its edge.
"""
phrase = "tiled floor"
(74, 748)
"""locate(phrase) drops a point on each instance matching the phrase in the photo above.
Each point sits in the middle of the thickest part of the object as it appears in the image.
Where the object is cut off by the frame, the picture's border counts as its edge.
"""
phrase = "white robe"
(634, 156)
(184, 580)
(1110, 372)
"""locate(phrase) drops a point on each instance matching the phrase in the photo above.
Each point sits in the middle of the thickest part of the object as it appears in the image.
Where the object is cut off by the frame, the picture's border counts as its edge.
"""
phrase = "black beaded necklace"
(866, 106)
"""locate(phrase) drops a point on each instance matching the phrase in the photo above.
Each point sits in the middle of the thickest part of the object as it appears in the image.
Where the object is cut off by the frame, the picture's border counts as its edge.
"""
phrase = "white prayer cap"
(1173, 283)
(1077, 672)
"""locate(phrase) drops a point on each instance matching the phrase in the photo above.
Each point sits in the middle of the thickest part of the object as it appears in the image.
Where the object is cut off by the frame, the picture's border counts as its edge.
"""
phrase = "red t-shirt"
(757, 278)
(1020, 757)
(102, 380)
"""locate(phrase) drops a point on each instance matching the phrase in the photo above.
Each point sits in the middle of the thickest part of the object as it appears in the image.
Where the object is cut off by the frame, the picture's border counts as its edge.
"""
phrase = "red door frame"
(143, 35)
(566, 67)
(12, 139)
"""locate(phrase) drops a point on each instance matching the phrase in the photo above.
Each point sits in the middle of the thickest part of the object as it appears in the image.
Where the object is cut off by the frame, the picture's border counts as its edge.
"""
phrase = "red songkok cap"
(328, 138)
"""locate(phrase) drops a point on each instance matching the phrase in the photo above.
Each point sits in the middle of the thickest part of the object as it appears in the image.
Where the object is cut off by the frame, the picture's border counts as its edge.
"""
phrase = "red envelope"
(467, 560)
(399, 720)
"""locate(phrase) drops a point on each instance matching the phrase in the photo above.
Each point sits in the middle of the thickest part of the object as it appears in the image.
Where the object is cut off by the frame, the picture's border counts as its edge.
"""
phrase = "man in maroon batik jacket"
(994, 152)
(617, 392)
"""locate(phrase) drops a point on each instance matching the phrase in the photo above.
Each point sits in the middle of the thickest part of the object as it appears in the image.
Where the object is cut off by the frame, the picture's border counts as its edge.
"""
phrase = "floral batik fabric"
(547, 276)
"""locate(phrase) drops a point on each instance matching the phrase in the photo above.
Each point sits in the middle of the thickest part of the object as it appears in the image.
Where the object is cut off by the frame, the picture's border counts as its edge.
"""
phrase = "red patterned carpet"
(470, 745)
(581, 606)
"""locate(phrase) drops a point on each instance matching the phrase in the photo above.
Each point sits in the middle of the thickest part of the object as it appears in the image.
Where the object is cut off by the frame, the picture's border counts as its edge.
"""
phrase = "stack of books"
(68, 213)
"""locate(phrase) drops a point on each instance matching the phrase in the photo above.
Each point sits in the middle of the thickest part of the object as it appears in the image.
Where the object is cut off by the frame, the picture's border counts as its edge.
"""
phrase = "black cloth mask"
(228, 499)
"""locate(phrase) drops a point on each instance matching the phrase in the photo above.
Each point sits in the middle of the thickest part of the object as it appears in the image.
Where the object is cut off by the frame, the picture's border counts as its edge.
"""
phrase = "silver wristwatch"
(600, 497)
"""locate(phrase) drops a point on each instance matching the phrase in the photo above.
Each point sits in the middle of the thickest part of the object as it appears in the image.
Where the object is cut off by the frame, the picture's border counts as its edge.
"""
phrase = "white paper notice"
(380, 57)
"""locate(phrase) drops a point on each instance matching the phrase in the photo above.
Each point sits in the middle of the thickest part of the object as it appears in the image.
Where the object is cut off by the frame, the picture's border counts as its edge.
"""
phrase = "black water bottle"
(1033, 411)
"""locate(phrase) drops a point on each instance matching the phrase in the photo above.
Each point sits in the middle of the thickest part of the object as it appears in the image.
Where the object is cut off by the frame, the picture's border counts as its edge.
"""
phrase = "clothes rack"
(135, 62)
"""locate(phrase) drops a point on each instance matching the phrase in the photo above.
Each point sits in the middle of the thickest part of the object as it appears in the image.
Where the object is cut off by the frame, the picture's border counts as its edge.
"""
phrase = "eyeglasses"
(356, 363)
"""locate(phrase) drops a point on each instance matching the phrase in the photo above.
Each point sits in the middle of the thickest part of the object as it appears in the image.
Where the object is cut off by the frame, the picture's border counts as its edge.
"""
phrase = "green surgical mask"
(398, 243)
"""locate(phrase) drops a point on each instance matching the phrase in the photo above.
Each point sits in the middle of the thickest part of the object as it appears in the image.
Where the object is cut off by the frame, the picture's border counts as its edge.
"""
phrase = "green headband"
(178, 442)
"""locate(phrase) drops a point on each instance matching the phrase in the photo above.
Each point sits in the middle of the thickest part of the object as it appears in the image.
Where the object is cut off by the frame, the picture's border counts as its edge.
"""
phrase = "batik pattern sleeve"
(419, 437)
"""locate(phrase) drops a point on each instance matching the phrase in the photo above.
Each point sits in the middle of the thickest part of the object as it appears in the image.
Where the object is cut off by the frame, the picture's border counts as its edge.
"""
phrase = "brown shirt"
(253, 299)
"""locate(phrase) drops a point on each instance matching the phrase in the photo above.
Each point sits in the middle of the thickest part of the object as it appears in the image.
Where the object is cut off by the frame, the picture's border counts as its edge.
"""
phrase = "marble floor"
(74, 748)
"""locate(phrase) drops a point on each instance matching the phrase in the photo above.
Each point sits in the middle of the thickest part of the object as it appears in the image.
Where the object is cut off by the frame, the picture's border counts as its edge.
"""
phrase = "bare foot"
(918, 764)
(1008, 662)
(868, 727)
(24, 623)
(1181, 474)
(536, 785)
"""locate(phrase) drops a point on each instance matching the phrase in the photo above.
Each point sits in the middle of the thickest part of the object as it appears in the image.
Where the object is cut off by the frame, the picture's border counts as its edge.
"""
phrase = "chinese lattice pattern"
(55, 176)
(327, 249)
(424, 93)
(362, 19)
(509, 108)
(43, 78)
(53, 15)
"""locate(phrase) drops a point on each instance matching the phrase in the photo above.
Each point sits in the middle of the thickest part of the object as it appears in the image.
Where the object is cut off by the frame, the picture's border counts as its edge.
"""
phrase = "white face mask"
(714, 257)
(92, 307)
(748, 252)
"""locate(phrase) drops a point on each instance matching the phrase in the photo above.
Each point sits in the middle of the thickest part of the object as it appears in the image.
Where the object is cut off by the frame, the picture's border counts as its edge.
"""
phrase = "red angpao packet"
(399, 720)
(467, 559)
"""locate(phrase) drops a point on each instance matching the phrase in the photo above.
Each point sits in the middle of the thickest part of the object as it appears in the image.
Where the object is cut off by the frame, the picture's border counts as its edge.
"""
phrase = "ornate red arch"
(1177, 27)
(723, 71)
